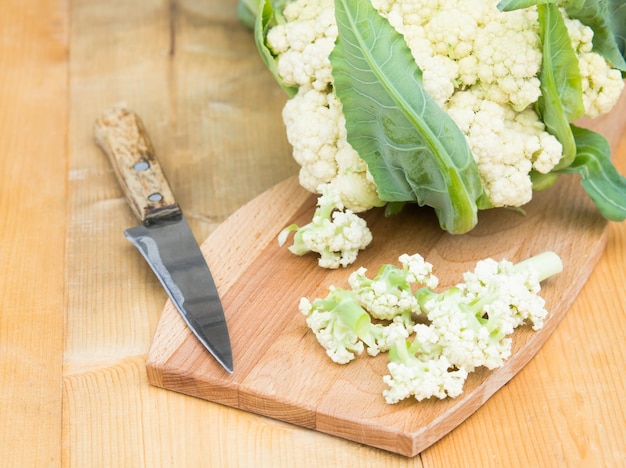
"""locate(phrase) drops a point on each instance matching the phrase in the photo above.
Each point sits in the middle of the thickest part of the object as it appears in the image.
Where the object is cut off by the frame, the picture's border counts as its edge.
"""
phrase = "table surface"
(78, 309)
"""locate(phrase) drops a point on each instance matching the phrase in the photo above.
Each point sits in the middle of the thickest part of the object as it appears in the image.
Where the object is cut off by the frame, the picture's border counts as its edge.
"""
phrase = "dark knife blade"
(164, 238)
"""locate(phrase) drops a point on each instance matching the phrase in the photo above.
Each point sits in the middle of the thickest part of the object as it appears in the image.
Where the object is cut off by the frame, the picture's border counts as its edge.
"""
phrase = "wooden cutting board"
(283, 373)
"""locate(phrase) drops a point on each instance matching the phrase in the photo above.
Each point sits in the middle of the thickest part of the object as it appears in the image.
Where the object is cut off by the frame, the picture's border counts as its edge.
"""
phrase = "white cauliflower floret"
(581, 36)
(516, 287)
(357, 190)
(314, 146)
(388, 335)
(309, 67)
(344, 328)
(335, 234)
(505, 144)
(340, 341)
(509, 59)
(389, 294)
(322, 149)
(602, 85)
(423, 379)
(439, 73)
(452, 34)
(304, 42)
(462, 338)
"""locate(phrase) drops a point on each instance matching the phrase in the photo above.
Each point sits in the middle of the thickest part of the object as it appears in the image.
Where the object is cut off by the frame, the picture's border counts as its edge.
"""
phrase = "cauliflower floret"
(438, 77)
(344, 328)
(580, 35)
(307, 67)
(389, 294)
(545, 150)
(357, 189)
(461, 335)
(335, 234)
(314, 146)
(452, 34)
(602, 85)
(304, 42)
(516, 287)
(509, 58)
(340, 341)
(505, 144)
(422, 379)
(499, 149)
(322, 149)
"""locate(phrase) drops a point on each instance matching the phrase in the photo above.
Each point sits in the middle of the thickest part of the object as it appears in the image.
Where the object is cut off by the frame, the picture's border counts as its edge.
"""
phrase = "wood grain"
(81, 301)
(33, 86)
(120, 133)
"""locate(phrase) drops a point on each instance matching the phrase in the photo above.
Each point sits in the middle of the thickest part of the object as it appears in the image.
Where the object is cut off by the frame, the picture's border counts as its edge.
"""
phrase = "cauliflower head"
(479, 64)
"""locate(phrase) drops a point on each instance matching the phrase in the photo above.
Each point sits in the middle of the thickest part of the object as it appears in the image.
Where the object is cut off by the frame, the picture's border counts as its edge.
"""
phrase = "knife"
(164, 238)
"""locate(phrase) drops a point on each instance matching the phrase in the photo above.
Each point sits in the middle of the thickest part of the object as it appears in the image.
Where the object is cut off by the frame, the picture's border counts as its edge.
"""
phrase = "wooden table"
(78, 309)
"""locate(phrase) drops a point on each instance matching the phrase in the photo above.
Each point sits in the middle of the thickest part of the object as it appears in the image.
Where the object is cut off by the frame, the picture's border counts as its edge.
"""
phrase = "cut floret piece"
(344, 328)
(472, 322)
(335, 233)
(469, 326)
(420, 377)
(390, 293)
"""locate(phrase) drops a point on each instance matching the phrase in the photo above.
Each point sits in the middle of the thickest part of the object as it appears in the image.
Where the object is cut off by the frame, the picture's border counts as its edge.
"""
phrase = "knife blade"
(164, 237)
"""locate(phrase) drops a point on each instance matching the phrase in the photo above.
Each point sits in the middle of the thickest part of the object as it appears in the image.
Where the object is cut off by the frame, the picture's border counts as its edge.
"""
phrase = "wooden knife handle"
(122, 136)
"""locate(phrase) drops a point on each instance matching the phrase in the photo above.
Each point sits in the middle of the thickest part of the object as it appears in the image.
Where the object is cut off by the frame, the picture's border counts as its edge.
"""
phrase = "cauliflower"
(422, 378)
(460, 329)
(461, 105)
(469, 326)
(335, 234)
(343, 327)
(390, 293)
(461, 46)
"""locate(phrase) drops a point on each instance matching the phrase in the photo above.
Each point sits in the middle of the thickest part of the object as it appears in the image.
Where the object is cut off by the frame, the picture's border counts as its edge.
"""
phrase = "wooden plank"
(112, 416)
(120, 52)
(195, 99)
(33, 113)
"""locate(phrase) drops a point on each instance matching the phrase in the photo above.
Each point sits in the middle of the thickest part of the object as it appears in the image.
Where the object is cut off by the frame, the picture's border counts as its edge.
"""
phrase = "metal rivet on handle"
(142, 166)
(155, 197)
